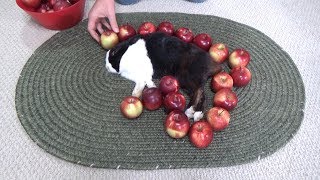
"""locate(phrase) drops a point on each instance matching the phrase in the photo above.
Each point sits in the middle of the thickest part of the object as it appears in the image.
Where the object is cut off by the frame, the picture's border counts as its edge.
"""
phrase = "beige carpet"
(294, 25)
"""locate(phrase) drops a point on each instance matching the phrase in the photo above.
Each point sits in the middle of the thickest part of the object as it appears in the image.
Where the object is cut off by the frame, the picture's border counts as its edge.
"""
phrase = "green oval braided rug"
(69, 104)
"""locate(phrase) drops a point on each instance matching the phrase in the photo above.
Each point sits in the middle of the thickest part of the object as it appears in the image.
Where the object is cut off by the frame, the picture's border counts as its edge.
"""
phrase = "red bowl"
(57, 20)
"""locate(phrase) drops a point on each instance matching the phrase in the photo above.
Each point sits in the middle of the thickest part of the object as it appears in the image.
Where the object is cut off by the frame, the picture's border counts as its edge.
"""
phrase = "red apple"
(109, 39)
(32, 3)
(221, 80)
(147, 28)
(152, 98)
(219, 52)
(52, 2)
(166, 27)
(168, 84)
(174, 100)
(201, 134)
(184, 34)
(47, 3)
(218, 118)
(131, 107)
(177, 124)
(43, 8)
(126, 31)
(226, 99)
(61, 4)
(239, 57)
(241, 76)
(203, 40)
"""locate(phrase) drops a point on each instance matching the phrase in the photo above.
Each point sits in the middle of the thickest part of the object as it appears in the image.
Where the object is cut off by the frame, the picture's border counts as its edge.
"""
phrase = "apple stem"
(176, 117)
(221, 112)
(200, 128)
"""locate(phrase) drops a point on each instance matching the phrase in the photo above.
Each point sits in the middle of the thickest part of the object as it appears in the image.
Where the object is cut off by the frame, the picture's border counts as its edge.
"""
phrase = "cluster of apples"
(47, 6)
(168, 96)
(177, 124)
(225, 99)
(109, 39)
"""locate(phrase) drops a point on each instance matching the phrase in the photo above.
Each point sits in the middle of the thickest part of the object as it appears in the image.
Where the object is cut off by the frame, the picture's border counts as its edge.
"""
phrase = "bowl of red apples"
(54, 14)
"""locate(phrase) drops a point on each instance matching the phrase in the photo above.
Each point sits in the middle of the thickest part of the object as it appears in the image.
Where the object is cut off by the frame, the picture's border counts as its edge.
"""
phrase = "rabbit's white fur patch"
(191, 113)
(136, 66)
(198, 115)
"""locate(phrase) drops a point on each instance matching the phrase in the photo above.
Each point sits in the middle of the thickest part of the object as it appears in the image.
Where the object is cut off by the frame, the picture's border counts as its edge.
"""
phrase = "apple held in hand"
(152, 98)
(201, 134)
(226, 99)
(168, 84)
(131, 107)
(219, 52)
(239, 57)
(184, 34)
(166, 27)
(174, 100)
(109, 39)
(32, 3)
(220, 81)
(241, 76)
(218, 118)
(147, 28)
(203, 40)
(126, 31)
(177, 124)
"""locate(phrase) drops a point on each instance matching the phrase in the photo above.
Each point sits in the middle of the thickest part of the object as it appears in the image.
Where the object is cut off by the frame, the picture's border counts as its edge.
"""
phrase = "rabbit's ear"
(122, 47)
(115, 50)
(114, 55)
(134, 39)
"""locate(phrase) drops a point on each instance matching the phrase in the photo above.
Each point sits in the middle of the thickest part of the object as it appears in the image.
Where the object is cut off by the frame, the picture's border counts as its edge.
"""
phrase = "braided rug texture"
(69, 104)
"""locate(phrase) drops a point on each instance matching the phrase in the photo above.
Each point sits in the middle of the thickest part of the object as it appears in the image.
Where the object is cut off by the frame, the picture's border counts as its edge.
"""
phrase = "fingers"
(92, 25)
(105, 23)
(99, 28)
(97, 24)
(97, 18)
(113, 23)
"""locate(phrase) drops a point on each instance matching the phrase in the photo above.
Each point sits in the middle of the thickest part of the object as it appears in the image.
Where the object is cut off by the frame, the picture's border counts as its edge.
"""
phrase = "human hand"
(101, 10)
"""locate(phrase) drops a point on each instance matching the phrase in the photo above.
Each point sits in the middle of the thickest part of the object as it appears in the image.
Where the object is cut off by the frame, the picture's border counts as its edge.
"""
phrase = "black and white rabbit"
(142, 58)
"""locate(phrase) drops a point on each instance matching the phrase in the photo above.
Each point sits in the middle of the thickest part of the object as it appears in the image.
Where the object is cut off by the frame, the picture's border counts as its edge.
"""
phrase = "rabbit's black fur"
(168, 55)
